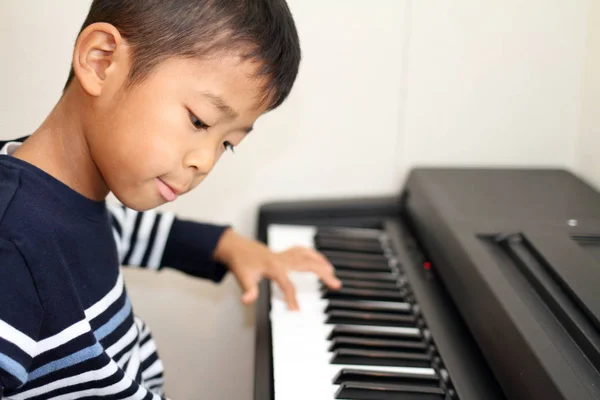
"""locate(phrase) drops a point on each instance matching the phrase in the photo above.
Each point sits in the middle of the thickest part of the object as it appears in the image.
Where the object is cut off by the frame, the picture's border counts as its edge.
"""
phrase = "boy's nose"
(200, 161)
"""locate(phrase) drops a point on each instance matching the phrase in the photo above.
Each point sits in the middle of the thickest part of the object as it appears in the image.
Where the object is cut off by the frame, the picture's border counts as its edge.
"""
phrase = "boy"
(158, 90)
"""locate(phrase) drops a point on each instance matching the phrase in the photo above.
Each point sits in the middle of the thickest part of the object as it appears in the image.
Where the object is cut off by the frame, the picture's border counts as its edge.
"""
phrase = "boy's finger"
(250, 290)
(320, 258)
(288, 289)
(250, 295)
(327, 275)
(321, 266)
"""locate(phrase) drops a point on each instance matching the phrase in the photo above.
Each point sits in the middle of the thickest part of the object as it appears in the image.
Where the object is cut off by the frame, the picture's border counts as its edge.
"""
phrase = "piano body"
(471, 284)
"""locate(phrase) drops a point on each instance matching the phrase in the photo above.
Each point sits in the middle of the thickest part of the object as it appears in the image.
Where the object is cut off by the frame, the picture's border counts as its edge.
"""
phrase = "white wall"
(384, 85)
(494, 82)
(588, 156)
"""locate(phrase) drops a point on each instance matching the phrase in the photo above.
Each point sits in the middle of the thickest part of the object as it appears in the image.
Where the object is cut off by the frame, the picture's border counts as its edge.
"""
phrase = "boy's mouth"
(166, 191)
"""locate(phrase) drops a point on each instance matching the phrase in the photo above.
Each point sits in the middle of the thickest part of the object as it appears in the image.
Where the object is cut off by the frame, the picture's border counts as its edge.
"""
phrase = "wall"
(494, 82)
(384, 86)
(588, 156)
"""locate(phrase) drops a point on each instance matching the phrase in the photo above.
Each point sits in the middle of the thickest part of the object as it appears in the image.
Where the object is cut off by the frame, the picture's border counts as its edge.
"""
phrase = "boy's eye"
(198, 124)
(229, 146)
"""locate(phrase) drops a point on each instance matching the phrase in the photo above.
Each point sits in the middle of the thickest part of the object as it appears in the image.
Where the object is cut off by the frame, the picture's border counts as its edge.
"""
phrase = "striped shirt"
(67, 326)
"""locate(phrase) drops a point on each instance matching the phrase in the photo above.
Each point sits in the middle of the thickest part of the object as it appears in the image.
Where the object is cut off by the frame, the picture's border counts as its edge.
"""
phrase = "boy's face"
(160, 138)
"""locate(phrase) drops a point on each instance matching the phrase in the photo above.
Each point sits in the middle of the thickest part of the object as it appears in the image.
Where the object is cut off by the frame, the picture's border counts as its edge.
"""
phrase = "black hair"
(262, 30)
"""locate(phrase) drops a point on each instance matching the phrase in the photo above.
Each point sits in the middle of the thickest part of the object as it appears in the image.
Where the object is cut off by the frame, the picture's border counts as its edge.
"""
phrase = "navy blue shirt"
(66, 322)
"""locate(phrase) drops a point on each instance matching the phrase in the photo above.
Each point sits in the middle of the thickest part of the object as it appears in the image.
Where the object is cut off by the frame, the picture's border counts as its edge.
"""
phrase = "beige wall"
(384, 85)
(588, 156)
(494, 82)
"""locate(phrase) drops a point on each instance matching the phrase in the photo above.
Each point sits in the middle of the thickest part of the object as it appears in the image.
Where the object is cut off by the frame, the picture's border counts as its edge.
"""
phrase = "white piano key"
(282, 237)
(301, 360)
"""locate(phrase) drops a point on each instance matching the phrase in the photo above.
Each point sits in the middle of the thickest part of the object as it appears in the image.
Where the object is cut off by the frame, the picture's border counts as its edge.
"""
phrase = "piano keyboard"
(365, 341)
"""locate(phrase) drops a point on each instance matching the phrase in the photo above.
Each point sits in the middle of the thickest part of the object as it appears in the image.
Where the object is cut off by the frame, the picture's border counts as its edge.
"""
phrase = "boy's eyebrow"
(220, 104)
(223, 107)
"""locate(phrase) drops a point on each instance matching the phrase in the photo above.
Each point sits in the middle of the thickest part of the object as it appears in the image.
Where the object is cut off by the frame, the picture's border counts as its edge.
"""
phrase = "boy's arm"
(155, 240)
(21, 316)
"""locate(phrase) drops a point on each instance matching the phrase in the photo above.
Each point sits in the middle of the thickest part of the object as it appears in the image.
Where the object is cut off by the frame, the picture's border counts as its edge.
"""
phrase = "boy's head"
(167, 86)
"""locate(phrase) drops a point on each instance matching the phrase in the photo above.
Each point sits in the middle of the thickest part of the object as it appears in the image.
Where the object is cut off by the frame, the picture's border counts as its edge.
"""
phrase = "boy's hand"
(251, 261)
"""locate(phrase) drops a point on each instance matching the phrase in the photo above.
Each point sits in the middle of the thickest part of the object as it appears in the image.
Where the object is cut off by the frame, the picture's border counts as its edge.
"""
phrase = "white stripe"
(147, 350)
(143, 328)
(134, 362)
(123, 342)
(63, 337)
(103, 304)
(139, 322)
(143, 237)
(10, 147)
(115, 388)
(82, 326)
(154, 369)
(139, 395)
(89, 376)
(127, 229)
(145, 332)
(126, 357)
(18, 338)
(162, 234)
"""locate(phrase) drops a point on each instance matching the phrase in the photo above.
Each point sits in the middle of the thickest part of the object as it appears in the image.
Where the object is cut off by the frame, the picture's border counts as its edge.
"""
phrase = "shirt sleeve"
(21, 315)
(156, 240)
(190, 249)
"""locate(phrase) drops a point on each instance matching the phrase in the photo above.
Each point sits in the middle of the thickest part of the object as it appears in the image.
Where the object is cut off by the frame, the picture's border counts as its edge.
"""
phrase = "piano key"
(355, 255)
(401, 292)
(282, 237)
(357, 265)
(381, 391)
(300, 339)
(354, 233)
(370, 318)
(369, 305)
(366, 294)
(376, 332)
(300, 355)
(359, 284)
(368, 276)
(399, 378)
(367, 246)
(378, 344)
(380, 357)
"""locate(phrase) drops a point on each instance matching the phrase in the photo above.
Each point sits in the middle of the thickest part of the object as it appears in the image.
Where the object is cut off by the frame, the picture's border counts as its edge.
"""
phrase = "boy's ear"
(98, 52)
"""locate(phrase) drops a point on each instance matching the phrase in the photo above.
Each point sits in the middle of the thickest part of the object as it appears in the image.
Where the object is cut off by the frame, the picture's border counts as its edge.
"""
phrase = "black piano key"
(375, 332)
(379, 357)
(370, 318)
(368, 305)
(361, 266)
(382, 391)
(368, 276)
(398, 378)
(355, 255)
(366, 246)
(401, 291)
(364, 294)
(353, 233)
(378, 344)
(361, 284)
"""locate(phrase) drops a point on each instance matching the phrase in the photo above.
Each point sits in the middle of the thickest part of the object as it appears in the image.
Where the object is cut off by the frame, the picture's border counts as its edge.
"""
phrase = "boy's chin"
(140, 203)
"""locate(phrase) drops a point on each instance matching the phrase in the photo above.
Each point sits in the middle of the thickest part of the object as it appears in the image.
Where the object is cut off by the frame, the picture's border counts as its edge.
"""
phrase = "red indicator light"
(427, 265)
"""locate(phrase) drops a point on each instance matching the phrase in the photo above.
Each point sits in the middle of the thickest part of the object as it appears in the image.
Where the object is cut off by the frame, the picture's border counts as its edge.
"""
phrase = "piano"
(470, 284)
